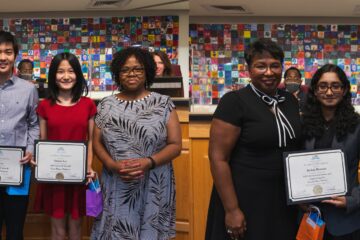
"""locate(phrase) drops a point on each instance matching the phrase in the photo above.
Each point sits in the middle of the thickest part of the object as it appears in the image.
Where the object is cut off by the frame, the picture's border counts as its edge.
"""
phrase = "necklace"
(327, 124)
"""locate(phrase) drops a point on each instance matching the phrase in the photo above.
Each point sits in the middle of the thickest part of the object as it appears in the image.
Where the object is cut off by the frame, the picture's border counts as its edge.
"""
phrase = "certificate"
(60, 162)
(314, 176)
(11, 171)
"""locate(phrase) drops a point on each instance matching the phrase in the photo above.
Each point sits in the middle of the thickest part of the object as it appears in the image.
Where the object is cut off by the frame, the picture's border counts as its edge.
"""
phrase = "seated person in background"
(25, 69)
(293, 85)
(163, 64)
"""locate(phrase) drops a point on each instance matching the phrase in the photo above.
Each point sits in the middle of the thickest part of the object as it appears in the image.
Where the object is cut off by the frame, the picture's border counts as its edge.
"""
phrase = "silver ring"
(229, 231)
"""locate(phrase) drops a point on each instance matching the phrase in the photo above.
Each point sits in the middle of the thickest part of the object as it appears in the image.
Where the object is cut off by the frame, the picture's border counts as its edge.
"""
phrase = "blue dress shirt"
(19, 125)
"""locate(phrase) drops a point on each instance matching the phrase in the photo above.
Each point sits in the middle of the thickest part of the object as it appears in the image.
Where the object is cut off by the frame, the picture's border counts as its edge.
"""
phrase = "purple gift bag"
(94, 202)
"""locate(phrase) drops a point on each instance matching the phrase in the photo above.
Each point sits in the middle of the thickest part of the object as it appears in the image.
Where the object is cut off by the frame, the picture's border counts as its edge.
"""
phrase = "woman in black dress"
(251, 129)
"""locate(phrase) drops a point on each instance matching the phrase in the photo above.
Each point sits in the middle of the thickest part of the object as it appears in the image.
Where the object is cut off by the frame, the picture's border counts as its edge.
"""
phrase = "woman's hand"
(304, 207)
(144, 164)
(235, 223)
(128, 169)
(133, 169)
(339, 202)
(28, 158)
(90, 175)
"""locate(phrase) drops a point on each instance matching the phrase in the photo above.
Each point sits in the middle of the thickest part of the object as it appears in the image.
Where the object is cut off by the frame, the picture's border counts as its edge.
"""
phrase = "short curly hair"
(345, 118)
(22, 62)
(144, 58)
(261, 46)
(292, 69)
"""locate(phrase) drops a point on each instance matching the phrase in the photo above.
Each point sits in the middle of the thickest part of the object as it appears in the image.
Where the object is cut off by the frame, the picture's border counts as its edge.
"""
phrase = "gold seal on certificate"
(59, 176)
(317, 190)
(60, 162)
(312, 176)
(11, 171)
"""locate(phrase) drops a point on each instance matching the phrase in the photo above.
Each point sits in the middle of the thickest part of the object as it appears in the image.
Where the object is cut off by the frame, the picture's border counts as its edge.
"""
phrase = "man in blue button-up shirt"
(18, 127)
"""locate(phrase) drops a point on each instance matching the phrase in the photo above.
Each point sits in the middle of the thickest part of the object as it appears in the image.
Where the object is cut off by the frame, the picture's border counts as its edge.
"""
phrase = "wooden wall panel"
(182, 180)
(202, 185)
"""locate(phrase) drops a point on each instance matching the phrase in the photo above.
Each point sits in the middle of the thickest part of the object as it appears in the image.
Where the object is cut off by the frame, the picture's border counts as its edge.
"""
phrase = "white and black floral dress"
(142, 209)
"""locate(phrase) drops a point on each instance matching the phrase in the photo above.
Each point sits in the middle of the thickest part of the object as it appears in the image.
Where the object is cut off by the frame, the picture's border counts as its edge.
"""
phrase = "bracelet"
(153, 164)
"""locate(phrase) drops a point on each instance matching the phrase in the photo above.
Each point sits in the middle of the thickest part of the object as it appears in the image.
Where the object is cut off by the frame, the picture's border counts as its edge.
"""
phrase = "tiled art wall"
(93, 40)
(217, 53)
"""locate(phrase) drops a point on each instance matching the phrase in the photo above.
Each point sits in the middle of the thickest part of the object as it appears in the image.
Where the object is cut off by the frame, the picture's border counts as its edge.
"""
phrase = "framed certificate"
(315, 175)
(11, 171)
(60, 162)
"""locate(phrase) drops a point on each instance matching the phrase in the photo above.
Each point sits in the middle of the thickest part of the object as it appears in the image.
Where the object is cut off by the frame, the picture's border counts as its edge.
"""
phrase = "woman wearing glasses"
(330, 121)
(251, 129)
(137, 135)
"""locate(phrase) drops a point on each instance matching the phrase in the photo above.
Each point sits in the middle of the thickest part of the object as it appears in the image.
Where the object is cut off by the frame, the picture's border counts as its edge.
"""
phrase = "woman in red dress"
(68, 116)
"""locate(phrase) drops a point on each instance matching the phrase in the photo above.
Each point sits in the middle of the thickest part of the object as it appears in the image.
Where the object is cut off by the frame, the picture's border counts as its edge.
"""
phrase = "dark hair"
(292, 69)
(262, 46)
(80, 86)
(167, 64)
(7, 37)
(25, 61)
(345, 118)
(142, 56)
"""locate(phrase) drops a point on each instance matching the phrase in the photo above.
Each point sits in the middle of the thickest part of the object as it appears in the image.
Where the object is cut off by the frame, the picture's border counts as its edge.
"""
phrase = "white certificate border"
(61, 143)
(292, 200)
(21, 177)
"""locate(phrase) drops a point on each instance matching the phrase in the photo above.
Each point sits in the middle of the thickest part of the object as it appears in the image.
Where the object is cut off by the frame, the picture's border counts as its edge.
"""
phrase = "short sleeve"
(92, 108)
(102, 113)
(168, 108)
(41, 110)
(230, 109)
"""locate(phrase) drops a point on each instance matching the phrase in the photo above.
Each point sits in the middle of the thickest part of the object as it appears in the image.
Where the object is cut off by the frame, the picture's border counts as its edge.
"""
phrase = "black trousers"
(13, 213)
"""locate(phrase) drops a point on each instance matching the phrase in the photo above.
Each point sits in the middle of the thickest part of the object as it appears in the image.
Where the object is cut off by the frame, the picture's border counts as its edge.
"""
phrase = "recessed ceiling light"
(110, 4)
(228, 9)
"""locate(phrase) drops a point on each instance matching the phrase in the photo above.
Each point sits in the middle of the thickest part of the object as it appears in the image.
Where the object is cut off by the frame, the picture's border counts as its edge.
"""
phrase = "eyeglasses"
(335, 88)
(135, 70)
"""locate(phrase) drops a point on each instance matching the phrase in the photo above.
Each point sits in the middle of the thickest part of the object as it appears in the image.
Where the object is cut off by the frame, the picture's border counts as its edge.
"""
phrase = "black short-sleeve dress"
(257, 167)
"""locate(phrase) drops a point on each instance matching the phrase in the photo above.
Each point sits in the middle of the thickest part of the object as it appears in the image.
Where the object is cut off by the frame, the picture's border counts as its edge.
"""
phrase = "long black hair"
(345, 118)
(142, 56)
(80, 88)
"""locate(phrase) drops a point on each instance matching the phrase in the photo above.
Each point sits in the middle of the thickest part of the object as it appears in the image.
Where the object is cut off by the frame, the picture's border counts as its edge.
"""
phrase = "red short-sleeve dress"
(66, 123)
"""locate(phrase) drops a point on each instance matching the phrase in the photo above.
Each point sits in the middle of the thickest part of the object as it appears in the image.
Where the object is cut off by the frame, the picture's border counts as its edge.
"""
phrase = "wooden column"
(199, 128)
(183, 174)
